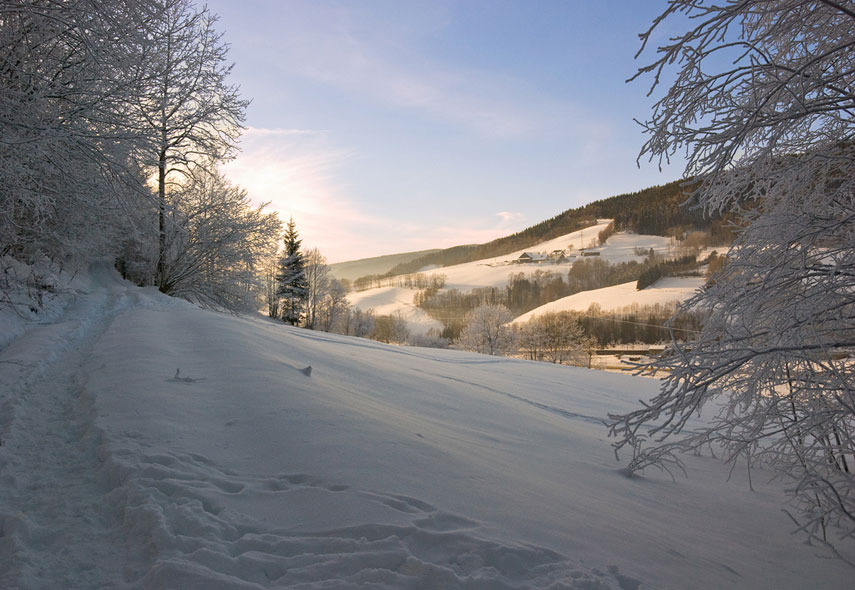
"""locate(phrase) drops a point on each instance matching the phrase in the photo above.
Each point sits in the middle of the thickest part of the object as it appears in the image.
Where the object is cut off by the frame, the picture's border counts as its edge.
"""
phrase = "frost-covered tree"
(558, 338)
(217, 244)
(333, 308)
(318, 280)
(271, 298)
(762, 101)
(391, 328)
(359, 322)
(66, 144)
(189, 112)
(487, 331)
(291, 279)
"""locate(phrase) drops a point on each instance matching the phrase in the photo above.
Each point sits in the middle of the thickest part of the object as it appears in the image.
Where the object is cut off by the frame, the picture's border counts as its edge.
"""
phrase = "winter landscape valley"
(445, 295)
(148, 443)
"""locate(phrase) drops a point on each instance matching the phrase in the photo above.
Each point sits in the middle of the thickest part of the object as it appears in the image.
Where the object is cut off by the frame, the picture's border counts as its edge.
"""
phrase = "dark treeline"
(675, 267)
(545, 230)
(644, 324)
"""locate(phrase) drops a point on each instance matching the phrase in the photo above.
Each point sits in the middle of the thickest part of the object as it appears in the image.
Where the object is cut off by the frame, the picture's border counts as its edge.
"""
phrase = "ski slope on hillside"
(151, 444)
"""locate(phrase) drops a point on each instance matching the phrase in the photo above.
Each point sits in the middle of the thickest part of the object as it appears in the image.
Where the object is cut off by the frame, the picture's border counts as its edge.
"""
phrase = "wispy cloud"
(382, 60)
(295, 171)
(298, 174)
(510, 216)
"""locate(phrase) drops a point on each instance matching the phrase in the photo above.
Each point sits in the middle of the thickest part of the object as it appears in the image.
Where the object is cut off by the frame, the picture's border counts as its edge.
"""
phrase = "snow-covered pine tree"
(291, 279)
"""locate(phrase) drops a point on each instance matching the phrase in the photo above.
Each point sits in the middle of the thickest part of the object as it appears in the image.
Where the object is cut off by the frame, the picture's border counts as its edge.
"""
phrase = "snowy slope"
(665, 290)
(381, 467)
(495, 272)
(388, 300)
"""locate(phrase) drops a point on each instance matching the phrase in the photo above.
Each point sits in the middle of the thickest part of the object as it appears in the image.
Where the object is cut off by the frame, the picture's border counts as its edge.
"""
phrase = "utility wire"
(614, 319)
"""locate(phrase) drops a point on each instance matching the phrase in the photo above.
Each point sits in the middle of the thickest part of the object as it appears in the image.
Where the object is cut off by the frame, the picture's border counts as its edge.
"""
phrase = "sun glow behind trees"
(95, 98)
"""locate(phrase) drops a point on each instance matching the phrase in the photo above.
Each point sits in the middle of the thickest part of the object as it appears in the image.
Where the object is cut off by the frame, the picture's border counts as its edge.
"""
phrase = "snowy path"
(57, 530)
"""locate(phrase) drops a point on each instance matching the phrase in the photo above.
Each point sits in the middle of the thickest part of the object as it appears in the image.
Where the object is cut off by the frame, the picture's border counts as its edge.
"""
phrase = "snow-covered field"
(389, 300)
(495, 272)
(151, 444)
(665, 290)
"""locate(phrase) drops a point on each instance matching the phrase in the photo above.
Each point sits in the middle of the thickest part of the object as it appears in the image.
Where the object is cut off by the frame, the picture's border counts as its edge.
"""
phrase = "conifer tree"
(293, 288)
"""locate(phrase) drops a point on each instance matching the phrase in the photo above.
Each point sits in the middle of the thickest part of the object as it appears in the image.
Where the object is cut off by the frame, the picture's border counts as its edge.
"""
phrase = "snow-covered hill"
(495, 272)
(665, 290)
(389, 300)
(151, 444)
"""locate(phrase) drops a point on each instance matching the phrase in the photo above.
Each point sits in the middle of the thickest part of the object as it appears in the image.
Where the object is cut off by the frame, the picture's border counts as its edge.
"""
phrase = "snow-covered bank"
(383, 467)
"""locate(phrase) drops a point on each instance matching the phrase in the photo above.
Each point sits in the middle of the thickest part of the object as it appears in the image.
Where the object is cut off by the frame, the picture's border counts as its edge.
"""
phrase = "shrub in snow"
(488, 331)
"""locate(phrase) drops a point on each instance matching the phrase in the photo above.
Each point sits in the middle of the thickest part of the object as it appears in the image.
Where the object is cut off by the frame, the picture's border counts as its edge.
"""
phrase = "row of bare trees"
(432, 282)
(556, 337)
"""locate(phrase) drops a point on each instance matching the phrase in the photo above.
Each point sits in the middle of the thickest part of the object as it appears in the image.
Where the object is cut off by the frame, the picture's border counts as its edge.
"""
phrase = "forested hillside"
(658, 210)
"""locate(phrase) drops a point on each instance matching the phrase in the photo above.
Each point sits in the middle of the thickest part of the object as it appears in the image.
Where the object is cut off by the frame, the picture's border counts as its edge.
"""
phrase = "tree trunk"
(161, 215)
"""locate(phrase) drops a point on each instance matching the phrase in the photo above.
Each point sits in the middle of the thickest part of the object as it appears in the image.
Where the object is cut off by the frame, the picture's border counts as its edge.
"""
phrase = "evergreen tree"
(293, 288)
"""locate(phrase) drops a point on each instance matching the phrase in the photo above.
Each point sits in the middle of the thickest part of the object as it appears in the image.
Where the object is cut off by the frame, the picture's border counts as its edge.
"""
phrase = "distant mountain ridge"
(353, 269)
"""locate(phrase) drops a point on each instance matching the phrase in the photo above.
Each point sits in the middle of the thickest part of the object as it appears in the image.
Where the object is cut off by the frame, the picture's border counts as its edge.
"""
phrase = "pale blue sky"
(390, 126)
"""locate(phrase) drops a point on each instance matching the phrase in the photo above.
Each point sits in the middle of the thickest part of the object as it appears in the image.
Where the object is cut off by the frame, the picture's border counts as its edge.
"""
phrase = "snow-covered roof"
(533, 256)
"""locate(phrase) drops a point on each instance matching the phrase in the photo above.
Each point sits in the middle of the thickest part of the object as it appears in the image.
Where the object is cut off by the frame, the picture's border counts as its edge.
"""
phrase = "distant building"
(532, 257)
(591, 253)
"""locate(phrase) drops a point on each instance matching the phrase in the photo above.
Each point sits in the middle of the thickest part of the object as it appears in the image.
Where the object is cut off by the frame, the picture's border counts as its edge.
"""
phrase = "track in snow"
(56, 530)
